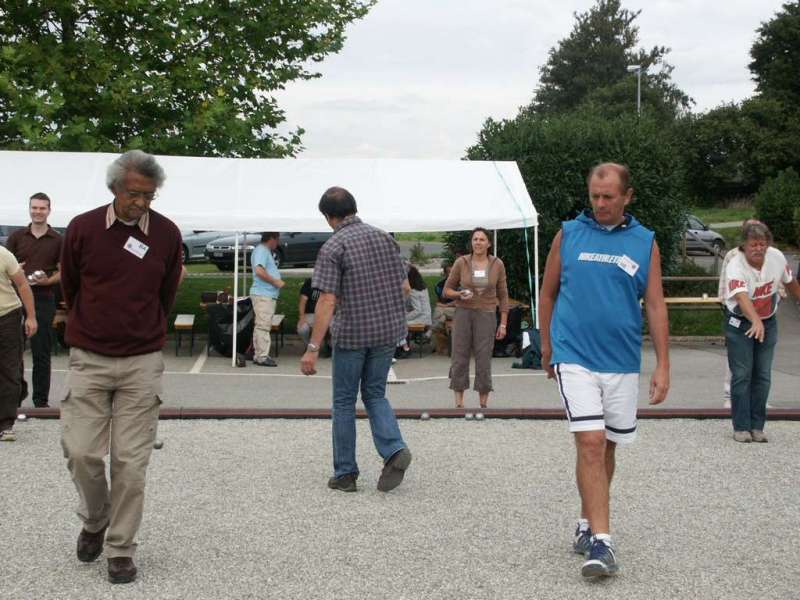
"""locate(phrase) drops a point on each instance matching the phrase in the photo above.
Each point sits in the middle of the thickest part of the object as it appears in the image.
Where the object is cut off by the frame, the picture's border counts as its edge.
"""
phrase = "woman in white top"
(751, 331)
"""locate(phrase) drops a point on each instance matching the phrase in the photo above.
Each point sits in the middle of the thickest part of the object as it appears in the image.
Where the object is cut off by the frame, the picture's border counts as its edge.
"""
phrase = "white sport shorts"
(599, 401)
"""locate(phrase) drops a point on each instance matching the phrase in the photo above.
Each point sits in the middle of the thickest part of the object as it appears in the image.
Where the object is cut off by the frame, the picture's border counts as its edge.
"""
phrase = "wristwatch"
(312, 347)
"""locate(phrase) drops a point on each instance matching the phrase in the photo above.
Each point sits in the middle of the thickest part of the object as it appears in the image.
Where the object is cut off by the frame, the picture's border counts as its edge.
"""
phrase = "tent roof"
(239, 194)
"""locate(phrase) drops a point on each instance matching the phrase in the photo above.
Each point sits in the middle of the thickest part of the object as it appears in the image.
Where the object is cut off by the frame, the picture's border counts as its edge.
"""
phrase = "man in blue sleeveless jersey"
(599, 268)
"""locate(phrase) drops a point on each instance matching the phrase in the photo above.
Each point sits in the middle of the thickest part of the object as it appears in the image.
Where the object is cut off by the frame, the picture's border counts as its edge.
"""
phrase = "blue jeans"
(367, 369)
(750, 362)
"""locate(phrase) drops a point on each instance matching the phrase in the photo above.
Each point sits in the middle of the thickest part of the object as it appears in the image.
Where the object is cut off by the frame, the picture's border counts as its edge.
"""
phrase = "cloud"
(416, 79)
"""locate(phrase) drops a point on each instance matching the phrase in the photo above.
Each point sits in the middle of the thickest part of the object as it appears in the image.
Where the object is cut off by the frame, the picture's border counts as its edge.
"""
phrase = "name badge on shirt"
(628, 265)
(135, 247)
(734, 322)
(477, 273)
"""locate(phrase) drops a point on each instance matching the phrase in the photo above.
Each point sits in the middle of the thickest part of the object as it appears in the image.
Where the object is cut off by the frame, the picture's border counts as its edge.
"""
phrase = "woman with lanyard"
(477, 283)
(751, 330)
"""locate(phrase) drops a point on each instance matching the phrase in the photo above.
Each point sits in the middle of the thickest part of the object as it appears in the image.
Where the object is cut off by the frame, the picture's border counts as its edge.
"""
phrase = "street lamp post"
(638, 70)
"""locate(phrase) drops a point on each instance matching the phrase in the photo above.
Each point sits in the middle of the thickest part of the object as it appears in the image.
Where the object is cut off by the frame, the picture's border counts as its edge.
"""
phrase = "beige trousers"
(111, 407)
(264, 307)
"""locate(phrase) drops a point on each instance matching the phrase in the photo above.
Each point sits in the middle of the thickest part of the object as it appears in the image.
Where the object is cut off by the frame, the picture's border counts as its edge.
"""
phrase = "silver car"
(700, 238)
(195, 242)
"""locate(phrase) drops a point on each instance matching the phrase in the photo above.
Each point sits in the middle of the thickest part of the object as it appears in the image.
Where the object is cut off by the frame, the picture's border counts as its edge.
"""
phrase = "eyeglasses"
(135, 195)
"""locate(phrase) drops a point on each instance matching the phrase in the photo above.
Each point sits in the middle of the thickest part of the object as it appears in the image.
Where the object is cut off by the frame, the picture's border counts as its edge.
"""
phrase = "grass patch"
(722, 215)
(420, 236)
(204, 267)
(684, 321)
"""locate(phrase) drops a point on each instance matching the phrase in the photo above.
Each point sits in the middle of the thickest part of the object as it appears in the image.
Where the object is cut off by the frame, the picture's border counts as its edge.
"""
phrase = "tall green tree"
(173, 76)
(554, 155)
(776, 55)
(590, 65)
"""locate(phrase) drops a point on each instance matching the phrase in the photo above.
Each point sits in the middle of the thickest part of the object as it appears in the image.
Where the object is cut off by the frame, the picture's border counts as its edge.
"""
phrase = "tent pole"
(495, 243)
(235, 296)
(536, 270)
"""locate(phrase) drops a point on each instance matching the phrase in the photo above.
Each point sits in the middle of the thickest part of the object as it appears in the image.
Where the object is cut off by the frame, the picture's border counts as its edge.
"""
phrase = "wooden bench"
(704, 302)
(184, 323)
(416, 333)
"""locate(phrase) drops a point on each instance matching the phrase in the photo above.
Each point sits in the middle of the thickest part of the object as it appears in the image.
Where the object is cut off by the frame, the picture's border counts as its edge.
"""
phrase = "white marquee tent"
(242, 194)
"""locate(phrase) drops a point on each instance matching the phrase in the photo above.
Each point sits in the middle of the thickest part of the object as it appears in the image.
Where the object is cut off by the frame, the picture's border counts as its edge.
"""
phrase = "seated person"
(442, 313)
(418, 306)
(439, 288)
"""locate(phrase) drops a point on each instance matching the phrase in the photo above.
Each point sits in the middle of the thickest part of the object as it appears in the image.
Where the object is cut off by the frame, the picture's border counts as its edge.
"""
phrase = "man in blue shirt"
(600, 266)
(264, 292)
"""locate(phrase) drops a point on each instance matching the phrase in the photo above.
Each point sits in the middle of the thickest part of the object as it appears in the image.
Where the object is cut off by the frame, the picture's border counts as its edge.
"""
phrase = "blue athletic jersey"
(597, 320)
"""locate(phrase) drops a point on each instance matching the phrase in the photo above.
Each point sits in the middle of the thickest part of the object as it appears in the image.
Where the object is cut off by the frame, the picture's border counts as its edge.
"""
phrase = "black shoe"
(265, 362)
(121, 569)
(394, 470)
(345, 483)
(90, 545)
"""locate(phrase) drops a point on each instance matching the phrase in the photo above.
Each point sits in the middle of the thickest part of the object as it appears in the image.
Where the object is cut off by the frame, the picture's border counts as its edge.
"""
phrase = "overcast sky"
(417, 78)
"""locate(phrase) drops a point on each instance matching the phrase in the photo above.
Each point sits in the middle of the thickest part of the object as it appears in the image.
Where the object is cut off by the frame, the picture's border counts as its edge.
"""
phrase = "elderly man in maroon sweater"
(120, 270)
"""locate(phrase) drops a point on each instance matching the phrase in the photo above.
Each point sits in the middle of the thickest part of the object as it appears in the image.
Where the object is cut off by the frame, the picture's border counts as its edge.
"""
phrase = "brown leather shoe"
(121, 569)
(90, 545)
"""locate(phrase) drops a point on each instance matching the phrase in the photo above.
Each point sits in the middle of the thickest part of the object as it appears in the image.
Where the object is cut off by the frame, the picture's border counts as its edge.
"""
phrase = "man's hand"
(301, 319)
(547, 355)
(308, 363)
(31, 326)
(659, 385)
(279, 283)
(501, 332)
(39, 277)
(756, 330)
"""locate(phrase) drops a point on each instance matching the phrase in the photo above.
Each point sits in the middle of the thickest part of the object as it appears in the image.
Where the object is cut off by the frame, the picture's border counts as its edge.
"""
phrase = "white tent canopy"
(241, 194)
(252, 194)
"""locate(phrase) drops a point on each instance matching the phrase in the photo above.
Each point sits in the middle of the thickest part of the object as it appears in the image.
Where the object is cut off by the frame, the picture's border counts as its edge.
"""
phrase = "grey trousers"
(473, 334)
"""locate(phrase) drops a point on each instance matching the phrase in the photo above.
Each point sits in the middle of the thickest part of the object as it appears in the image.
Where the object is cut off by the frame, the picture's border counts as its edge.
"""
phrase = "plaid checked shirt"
(362, 267)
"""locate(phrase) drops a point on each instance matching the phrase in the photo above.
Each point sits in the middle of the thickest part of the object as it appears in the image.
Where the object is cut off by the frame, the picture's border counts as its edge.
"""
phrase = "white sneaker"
(8, 436)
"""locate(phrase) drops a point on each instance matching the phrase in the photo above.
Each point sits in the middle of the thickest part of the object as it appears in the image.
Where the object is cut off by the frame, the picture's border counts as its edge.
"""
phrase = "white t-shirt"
(761, 285)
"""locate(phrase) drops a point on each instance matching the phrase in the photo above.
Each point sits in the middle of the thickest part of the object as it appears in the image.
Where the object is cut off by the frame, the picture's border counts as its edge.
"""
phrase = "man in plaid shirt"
(360, 274)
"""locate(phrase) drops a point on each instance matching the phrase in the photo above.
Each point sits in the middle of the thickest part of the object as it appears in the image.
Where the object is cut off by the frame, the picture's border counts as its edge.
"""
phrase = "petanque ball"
(424, 416)
(158, 444)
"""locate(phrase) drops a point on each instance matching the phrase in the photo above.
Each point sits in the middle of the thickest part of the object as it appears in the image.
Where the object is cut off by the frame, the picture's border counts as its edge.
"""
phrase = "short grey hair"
(137, 161)
(756, 231)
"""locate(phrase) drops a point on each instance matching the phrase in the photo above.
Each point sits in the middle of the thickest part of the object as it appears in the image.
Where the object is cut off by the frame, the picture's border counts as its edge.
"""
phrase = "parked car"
(195, 242)
(699, 237)
(296, 249)
(7, 230)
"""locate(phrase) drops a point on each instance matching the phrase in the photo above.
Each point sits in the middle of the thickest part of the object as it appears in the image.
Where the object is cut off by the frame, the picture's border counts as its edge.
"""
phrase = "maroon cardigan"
(118, 303)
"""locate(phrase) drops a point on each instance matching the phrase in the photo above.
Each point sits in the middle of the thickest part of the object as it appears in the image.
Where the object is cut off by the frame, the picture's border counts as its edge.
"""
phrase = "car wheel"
(719, 246)
(185, 255)
(225, 266)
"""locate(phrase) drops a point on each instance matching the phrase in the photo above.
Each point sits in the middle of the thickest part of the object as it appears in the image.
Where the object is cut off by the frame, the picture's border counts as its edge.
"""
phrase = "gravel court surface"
(239, 509)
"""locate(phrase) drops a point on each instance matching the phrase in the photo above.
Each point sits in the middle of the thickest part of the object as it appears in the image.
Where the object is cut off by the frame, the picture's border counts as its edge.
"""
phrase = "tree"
(718, 147)
(170, 76)
(776, 55)
(776, 202)
(595, 56)
(554, 155)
